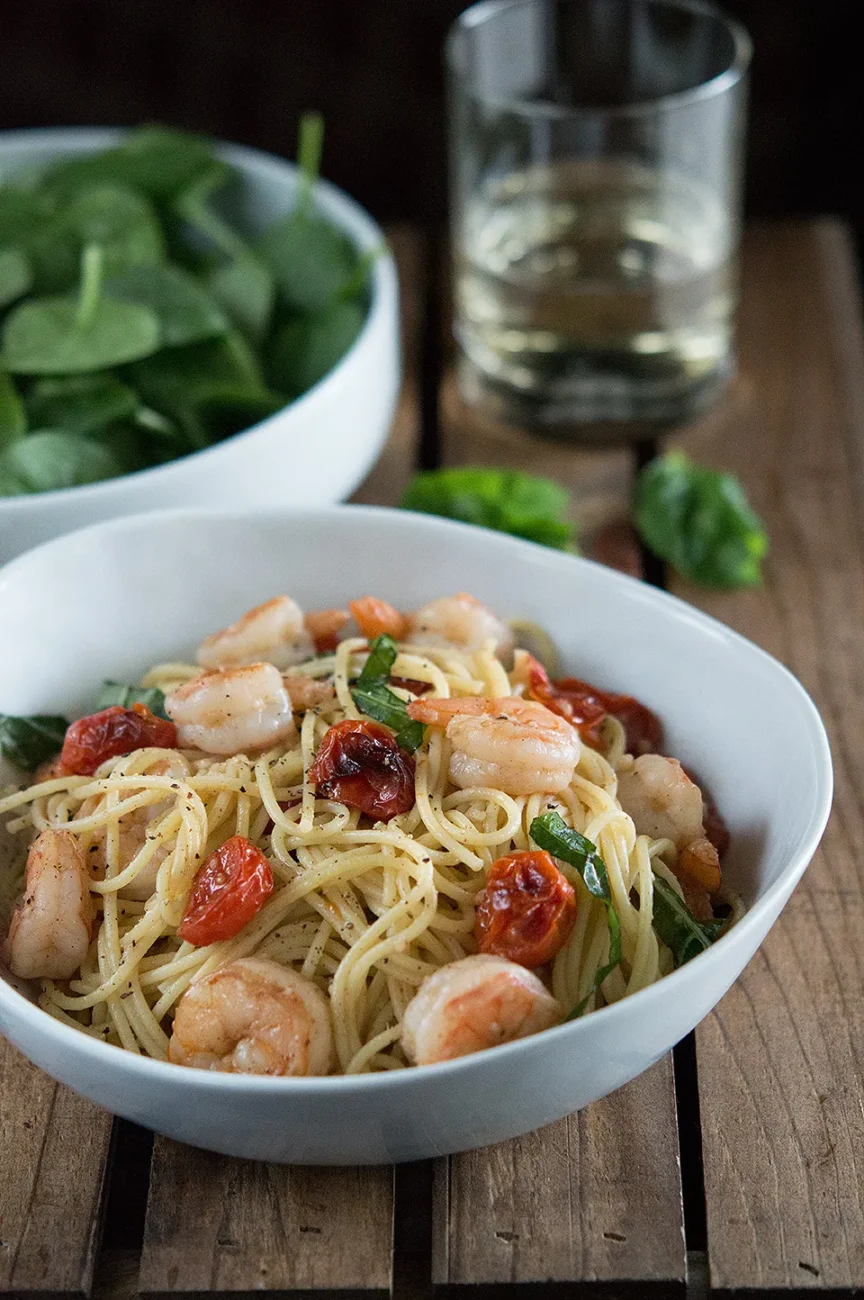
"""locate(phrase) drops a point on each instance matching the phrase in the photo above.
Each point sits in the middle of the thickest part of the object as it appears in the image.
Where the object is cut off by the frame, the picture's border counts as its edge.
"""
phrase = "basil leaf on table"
(551, 832)
(701, 522)
(374, 698)
(508, 501)
(13, 418)
(683, 935)
(157, 160)
(16, 274)
(81, 403)
(118, 693)
(121, 221)
(50, 459)
(185, 310)
(308, 347)
(29, 741)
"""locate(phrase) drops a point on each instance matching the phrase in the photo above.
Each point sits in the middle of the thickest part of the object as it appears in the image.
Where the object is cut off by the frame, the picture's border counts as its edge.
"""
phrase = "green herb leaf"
(374, 698)
(683, 935)
(382, 656)
(23, 214)
(13, 420)
(51, 458)
(310, 260)
(117, 219)
(29, 741)
(117, 693)
(193, 205)
(80, 403)
(16, 275)
(245, 290)
(551, 832)
(154, 159)
(307, 348)
(185, 310)
(505, 500)
(701, 522)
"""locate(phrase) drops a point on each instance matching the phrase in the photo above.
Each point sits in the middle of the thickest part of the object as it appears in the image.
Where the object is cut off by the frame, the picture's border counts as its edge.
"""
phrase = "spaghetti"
(364, 909)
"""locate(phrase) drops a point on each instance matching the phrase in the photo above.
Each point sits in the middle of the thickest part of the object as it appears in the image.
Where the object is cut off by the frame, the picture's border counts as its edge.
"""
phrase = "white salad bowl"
(314, 451)
(110, 600)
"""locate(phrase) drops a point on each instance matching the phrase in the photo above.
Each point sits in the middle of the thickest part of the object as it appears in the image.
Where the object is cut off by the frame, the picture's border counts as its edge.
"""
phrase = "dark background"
(246, 69)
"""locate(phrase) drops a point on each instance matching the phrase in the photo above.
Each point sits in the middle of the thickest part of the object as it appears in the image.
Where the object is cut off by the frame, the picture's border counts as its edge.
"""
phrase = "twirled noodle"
(366, 912)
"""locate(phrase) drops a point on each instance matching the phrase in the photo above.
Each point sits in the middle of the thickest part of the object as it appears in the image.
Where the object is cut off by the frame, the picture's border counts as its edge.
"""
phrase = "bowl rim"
(677, 980)
(361, 227)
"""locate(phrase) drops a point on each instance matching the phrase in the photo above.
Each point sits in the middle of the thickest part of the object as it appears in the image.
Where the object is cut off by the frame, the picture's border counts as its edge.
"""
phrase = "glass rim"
(724, 81)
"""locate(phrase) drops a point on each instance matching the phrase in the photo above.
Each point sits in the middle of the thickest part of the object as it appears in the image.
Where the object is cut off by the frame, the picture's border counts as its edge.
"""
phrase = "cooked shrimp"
(232, 711)
(309, 692)
(513, 745)
(376, 617)
(324, 626)
(52, 926)
(475, 1003)
(665, 804)
(253, 1017)
(459, 621)
(133, 830)
(274, 632)
(662, 800)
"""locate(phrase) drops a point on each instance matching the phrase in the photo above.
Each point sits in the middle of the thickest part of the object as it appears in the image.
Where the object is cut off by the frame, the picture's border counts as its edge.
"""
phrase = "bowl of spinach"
(183, 322)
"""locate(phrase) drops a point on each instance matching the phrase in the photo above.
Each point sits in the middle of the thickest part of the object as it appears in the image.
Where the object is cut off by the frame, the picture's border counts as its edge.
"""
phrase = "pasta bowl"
(108, 601)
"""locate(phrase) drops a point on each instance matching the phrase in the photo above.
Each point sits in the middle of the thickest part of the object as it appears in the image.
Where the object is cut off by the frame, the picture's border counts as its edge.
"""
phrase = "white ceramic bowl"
(312, 452)
(129, 593)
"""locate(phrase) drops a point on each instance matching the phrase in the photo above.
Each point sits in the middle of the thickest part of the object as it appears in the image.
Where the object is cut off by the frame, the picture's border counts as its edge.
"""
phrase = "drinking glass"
(596, 151)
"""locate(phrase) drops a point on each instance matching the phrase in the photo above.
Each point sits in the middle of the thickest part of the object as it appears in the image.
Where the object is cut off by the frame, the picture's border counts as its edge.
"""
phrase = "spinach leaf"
(502, 499)
(80, 403)
(245, 289)
(51, 458)
(192, 205)
(226, 409)
(61, 336)
(310, 260)
(117, 693)
(374, 698)
(683, 935)
(185, 310)
(551, 832)
(23, 214)
(157, 160)
(122, 223)
(16, 274)
(308, 347)
(13, 421)
(701, 522)
(29, 741)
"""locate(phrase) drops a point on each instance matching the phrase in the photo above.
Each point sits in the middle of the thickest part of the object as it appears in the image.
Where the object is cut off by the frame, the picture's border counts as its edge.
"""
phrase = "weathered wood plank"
(595, 1198)
(53, 1156)
(245, 1226)
(781, 1061)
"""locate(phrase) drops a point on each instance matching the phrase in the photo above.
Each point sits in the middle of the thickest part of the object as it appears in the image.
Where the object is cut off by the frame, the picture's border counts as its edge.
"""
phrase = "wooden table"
(735, 1166)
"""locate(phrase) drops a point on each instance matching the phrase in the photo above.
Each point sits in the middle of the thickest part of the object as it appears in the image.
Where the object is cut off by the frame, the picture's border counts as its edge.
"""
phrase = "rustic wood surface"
(593, 1203)
(781, 1061)
(53, 1155)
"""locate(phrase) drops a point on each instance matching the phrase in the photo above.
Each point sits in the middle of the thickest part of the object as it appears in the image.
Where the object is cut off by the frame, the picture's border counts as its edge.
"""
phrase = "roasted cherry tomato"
(527, 909)
(586, 706)
(114, 731)
(359, 763)
(409, 684)
(229, 890)
(378, 617)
